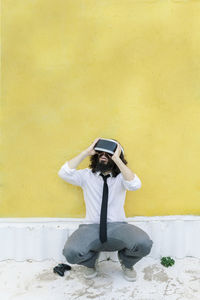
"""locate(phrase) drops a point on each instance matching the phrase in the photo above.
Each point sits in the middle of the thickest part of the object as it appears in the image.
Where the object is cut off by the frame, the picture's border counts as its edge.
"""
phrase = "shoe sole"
(128, 278)
(90, 276)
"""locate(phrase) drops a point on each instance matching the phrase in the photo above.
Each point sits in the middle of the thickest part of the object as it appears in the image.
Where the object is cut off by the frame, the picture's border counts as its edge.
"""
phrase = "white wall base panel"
(44, 238)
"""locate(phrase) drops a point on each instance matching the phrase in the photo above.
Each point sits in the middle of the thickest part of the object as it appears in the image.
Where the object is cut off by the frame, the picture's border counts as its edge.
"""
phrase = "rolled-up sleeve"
(73, 176)
(131, 185)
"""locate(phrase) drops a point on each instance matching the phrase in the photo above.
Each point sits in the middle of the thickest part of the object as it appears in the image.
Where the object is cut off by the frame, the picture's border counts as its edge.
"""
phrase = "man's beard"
(104, 167)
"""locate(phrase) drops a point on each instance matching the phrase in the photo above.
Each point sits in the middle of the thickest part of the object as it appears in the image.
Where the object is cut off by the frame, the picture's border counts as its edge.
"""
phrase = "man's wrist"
(116, 158)
(85, 153)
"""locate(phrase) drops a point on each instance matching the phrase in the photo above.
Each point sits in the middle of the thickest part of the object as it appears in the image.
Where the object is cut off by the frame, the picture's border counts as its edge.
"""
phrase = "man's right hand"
(90, 150)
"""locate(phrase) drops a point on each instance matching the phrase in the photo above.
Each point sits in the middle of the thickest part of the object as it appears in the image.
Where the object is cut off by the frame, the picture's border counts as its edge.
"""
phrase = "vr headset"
(107, 145)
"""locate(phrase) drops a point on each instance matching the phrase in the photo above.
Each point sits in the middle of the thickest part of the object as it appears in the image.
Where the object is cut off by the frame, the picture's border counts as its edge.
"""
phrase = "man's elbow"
(139, 185)
(60, 173)
(136, 186)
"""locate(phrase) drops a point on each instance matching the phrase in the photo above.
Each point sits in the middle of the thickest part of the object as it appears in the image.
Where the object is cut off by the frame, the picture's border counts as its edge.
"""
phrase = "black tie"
(103, 218)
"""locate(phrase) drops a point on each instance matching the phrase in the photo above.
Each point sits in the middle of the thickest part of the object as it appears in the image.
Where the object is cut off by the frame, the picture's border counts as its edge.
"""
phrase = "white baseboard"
(38, 239)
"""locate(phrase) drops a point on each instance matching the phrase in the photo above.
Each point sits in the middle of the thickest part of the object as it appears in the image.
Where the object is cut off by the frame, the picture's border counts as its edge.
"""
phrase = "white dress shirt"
(92, 185)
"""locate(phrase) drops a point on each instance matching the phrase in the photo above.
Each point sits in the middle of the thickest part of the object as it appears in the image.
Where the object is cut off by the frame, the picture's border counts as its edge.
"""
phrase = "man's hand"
(126, 172)
(117, 152)
(90, 150)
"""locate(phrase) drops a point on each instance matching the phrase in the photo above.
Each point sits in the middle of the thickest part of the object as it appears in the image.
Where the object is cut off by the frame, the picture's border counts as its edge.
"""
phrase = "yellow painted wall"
(74, 70)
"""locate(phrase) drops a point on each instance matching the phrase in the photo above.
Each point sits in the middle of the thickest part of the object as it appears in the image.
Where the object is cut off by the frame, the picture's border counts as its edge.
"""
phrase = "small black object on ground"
(61, 268)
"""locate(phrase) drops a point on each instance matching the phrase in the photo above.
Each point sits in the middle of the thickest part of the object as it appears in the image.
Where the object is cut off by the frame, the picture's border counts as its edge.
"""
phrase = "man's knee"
(145, 246)
(70, 254)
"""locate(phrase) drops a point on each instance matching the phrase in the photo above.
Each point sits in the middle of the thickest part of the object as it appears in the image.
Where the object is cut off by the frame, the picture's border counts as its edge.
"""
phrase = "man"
(105, 173)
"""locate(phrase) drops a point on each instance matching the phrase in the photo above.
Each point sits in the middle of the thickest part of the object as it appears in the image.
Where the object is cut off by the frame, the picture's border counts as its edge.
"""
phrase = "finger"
(96, 140)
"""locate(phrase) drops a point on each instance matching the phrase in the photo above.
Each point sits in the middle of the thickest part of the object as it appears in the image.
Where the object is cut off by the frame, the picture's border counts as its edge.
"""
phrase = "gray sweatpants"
(84, 246)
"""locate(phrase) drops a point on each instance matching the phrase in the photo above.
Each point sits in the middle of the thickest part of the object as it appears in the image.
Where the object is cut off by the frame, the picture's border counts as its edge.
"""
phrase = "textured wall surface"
(77, 70)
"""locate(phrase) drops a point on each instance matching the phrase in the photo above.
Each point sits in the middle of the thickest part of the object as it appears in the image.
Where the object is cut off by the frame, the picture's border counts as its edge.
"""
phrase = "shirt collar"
(98, 173)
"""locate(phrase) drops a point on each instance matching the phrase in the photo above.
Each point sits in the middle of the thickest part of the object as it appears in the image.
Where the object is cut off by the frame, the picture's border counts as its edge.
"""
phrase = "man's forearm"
(126, 172)
(74, 162)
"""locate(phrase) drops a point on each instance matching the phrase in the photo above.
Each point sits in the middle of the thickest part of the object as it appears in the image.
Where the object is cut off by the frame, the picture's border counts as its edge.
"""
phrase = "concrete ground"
(30, 280)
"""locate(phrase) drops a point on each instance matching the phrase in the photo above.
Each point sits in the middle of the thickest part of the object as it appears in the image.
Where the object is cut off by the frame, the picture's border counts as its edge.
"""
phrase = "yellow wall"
(74, 70)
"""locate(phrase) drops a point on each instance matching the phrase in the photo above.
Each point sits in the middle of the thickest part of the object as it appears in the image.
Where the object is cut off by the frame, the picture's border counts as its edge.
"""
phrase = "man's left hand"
(117, 152)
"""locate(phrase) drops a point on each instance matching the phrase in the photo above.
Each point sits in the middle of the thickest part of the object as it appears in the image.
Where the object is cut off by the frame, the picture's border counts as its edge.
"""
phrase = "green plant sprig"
(167, 261)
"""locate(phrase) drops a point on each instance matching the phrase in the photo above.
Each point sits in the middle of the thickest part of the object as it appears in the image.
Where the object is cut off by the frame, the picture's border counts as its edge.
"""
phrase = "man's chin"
(104, 167)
